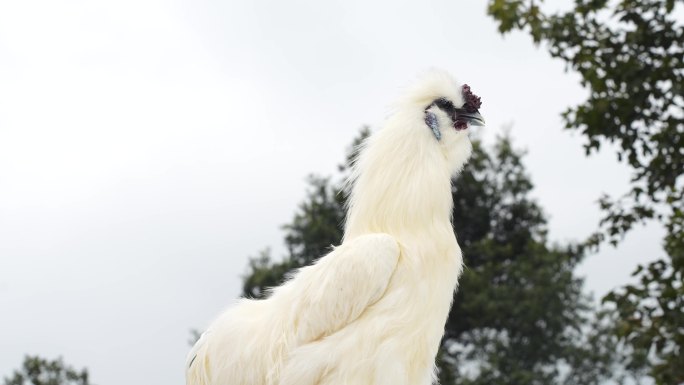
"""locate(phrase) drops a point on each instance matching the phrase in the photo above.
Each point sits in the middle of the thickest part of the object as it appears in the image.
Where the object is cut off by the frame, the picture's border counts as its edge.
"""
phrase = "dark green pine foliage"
(39, 371)
(518, 297)
(630, 56)
(519, 316)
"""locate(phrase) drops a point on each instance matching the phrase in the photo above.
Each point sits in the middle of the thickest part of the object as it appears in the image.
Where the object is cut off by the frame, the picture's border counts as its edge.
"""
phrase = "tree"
(519, 315)
(518, 298)
(39, 371)
(630, 55)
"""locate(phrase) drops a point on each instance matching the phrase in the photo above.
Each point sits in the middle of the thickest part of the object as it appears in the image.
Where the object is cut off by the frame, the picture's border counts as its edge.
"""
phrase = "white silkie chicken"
(372, 311)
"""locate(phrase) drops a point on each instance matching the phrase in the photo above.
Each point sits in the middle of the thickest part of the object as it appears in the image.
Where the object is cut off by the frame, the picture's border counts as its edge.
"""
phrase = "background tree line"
(630, 55)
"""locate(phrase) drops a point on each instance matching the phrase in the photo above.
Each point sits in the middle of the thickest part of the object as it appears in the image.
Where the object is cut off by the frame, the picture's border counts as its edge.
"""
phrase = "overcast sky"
(147, 148)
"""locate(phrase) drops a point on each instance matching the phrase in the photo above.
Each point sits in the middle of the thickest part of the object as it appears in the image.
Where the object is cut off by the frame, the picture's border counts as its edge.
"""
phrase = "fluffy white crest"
(431, 85)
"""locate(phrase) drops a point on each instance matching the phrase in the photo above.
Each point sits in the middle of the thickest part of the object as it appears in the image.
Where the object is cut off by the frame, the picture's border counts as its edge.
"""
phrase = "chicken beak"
(474, 118)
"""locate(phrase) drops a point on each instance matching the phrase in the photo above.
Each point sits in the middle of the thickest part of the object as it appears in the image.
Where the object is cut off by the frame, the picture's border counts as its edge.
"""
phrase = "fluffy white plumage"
(372, 311)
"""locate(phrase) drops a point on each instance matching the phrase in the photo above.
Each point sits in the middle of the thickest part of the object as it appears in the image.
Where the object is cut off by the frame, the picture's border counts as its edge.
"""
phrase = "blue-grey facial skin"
(433, 123)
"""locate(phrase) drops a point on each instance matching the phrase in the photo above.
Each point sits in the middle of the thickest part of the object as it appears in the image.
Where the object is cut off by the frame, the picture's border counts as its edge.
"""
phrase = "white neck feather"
(401, 182)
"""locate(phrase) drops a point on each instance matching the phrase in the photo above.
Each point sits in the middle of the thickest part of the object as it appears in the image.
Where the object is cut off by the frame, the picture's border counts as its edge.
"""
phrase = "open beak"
(474, 118)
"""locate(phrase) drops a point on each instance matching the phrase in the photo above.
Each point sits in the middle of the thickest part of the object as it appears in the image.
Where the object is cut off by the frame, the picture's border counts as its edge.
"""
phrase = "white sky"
(147, 148)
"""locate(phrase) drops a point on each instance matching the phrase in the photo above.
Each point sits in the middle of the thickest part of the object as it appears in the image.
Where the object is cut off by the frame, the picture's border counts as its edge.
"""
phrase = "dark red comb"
(472, 101)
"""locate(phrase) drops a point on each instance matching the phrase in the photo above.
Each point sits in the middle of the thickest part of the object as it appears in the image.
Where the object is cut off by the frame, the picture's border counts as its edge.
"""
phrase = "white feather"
(373, 310)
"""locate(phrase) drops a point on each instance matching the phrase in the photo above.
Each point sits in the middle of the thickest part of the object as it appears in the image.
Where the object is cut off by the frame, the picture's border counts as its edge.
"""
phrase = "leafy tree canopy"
(630, 56)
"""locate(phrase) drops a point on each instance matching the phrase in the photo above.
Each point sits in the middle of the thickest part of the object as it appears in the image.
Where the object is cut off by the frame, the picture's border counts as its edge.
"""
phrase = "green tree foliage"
(519, 316)
(519, 297)
(630, 55)
(39, 371)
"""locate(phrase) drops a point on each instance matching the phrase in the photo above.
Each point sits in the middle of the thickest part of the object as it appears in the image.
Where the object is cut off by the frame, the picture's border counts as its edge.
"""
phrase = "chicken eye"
(445, 105)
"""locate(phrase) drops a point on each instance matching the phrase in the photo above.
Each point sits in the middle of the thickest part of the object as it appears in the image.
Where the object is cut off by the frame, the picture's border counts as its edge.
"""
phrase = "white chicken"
(372, 311)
